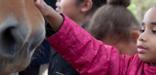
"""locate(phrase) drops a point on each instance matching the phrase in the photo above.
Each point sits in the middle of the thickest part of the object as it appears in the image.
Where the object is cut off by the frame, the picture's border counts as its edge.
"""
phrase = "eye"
(142, 30)
(154, 31)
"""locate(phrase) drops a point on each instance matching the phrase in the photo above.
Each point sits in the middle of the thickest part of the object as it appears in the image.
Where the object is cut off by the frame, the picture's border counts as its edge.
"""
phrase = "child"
(91, 57)
(79, 11)
(115, 25)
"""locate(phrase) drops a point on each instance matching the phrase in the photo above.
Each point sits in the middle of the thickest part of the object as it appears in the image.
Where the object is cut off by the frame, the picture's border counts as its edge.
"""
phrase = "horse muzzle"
(12, 36)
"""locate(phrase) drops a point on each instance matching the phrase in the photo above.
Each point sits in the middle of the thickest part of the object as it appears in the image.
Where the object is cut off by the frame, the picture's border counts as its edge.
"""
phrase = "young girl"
(91, 57)
(115, 25)
(79, 11)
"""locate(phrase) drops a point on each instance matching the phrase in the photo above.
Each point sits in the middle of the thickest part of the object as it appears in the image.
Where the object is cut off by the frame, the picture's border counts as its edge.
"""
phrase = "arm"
(86, 54)
(53, 18)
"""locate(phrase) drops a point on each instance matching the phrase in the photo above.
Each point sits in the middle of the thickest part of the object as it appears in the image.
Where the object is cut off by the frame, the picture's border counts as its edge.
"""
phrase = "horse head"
(21, 31)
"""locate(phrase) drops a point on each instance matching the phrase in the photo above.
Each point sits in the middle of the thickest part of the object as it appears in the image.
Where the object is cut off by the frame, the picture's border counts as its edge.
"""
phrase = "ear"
(86, 5)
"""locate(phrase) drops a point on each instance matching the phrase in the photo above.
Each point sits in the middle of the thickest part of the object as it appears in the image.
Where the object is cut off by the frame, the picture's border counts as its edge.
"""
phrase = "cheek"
(152, 44)
(70, 11)
(64, 5)
(67, 6)
(152, 52)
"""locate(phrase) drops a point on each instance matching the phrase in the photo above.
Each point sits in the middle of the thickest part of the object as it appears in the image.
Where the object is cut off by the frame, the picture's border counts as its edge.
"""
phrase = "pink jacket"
(92, 57)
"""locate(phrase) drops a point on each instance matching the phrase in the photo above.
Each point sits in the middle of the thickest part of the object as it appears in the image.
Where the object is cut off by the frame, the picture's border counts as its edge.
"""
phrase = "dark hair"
(124, 3)
(96, 4)
(112, 19)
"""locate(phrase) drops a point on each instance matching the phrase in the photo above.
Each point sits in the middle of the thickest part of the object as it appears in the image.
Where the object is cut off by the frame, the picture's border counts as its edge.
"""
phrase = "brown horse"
(21, 31)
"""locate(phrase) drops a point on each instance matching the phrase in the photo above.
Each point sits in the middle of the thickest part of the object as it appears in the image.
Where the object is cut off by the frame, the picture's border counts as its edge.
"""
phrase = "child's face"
(68, 7)
(147, 40)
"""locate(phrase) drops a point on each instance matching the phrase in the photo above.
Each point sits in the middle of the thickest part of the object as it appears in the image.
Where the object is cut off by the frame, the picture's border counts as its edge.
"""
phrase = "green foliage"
(132, 8)
(139, 7)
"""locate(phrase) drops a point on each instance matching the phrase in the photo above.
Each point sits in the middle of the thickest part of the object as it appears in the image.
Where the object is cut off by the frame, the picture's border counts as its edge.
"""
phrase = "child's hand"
(43, 7)
(53, 18)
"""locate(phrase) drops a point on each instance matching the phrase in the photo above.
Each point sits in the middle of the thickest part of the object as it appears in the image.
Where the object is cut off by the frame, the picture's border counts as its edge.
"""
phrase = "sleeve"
(86, 54)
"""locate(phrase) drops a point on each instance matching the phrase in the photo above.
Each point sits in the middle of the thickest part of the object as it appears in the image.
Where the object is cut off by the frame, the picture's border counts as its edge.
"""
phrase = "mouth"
(142, 49)
(20, 60)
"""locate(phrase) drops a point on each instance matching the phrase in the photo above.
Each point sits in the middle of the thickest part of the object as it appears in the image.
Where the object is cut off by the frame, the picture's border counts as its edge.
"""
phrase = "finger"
(38, 2)
(42, 6)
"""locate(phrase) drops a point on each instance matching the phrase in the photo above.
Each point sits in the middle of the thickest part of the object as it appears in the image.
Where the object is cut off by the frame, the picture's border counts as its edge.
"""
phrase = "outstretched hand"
(53, 18)
(43, 7)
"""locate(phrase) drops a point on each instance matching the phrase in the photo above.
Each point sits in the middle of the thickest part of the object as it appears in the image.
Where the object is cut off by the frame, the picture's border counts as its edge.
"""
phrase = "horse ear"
(86, 5)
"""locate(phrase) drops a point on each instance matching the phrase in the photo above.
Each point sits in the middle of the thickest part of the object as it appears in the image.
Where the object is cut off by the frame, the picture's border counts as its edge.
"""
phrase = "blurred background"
(138, 7)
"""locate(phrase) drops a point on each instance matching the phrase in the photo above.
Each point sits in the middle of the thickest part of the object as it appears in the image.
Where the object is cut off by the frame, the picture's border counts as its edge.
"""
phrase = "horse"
(21, 31)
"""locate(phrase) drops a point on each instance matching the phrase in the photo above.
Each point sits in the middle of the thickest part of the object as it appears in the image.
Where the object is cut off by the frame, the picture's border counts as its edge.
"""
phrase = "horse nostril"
(8, 40)
(12, 37)
(8, 36)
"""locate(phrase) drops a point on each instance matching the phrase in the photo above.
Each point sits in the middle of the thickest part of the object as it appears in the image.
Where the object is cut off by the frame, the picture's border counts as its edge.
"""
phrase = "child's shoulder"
(132, 61)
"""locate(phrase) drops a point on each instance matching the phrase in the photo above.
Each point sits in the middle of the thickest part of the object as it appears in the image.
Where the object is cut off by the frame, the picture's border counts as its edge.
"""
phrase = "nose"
(142, 37)
(7, 35)
(9, 38)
